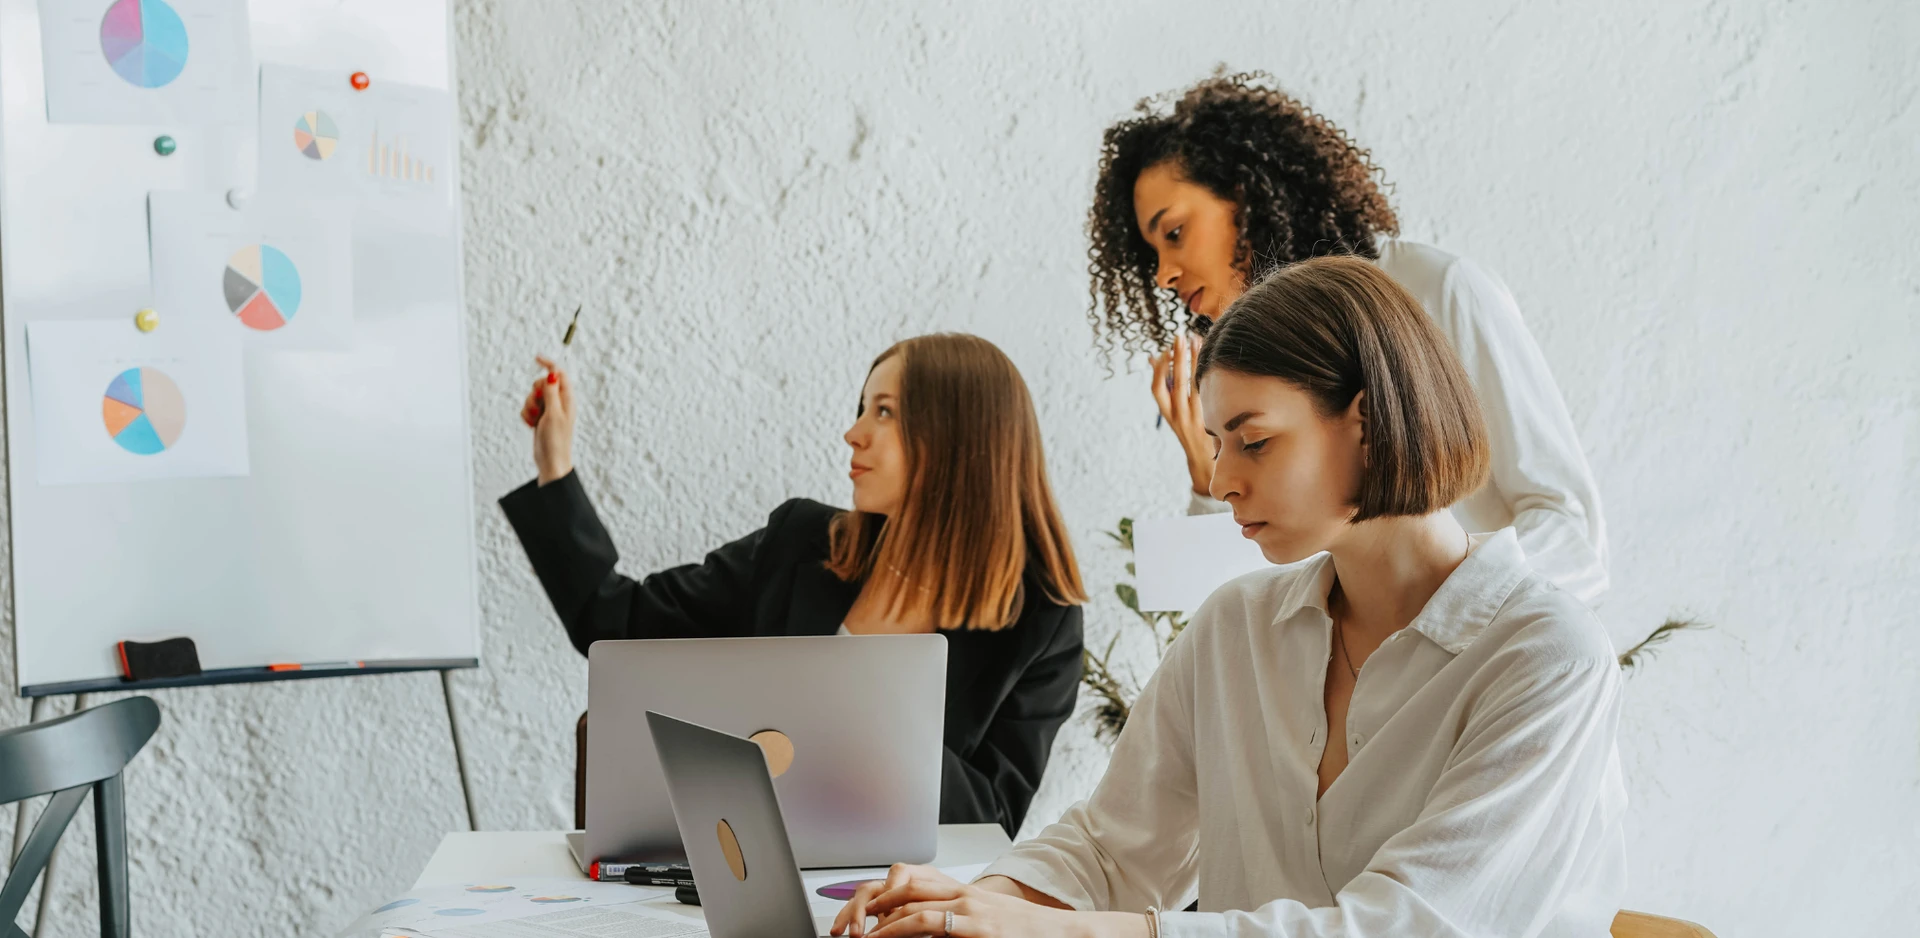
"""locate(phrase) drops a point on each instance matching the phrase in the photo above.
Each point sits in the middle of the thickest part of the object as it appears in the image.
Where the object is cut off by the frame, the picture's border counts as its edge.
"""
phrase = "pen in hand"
(532, 415)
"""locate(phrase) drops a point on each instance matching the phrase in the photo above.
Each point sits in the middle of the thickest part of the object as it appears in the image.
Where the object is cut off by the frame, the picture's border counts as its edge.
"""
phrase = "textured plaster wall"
(1706, 209)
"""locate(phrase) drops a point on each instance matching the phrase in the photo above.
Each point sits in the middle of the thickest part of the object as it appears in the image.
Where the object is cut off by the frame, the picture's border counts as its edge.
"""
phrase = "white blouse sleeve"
(1133, 843)
(1498, 842)
(1539, 468)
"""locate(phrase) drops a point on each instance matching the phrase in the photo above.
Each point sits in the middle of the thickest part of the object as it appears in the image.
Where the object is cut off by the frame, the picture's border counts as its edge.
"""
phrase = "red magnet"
(360, 81)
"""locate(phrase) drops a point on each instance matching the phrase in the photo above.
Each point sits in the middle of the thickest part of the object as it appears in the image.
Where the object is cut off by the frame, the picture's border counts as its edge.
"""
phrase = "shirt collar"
(1310, 590)
(1459, 611)
(1466, 603)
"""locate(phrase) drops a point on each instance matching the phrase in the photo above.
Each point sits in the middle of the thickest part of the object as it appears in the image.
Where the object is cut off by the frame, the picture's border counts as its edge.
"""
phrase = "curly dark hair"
(1300, 185)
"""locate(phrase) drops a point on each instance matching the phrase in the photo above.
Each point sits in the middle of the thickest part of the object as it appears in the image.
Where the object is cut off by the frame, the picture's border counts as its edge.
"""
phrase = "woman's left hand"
(914, 901)
(1179, 400)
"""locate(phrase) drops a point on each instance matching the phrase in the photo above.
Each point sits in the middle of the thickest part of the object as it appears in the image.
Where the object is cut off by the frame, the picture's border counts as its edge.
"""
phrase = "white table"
(465, 857)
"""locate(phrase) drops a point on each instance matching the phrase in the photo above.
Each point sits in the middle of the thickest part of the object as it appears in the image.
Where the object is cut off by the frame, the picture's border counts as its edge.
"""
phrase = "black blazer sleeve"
(996, 782)
(574, 558)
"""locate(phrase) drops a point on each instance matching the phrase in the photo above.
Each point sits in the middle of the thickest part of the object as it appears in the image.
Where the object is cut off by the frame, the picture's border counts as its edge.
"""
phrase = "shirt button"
(1309, 818)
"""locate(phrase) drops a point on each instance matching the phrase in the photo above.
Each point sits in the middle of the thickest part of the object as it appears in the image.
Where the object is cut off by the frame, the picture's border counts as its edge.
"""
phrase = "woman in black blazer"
(953, 529)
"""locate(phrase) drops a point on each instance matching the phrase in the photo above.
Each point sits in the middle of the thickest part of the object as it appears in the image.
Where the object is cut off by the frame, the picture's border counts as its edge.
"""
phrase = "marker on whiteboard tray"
(539, 405)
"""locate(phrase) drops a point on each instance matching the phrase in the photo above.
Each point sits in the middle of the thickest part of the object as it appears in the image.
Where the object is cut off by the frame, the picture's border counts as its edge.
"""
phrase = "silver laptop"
(729, 816)
(851, 726)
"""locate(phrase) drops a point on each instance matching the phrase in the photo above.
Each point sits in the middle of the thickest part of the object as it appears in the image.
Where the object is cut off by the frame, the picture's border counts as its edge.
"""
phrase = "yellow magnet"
(147, 320)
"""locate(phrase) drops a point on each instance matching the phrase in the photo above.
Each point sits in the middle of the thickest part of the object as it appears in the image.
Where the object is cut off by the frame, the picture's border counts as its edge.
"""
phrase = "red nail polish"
(553, 377)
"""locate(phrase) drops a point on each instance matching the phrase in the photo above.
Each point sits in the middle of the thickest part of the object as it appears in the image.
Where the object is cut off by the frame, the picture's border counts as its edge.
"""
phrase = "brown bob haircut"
(978, 509)
(1337, 326)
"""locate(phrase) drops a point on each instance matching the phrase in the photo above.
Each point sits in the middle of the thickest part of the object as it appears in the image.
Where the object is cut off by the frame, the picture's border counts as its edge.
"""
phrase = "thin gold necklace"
(1340, 639)
(1340, 628)
(1340, 631)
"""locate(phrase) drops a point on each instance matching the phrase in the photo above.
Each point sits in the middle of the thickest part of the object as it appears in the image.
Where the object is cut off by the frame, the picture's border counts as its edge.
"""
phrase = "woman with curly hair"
(1238, 178)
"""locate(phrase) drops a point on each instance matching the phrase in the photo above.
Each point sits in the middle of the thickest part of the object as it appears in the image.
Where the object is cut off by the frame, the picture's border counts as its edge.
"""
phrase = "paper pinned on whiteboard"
(160, 62)
(114, 404)
(278, 272)
(1179, 562)
(390, 147)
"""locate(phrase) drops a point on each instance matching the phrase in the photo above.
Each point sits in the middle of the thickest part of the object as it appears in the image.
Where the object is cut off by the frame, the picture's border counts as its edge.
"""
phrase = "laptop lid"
(820, 698)
(729, 820)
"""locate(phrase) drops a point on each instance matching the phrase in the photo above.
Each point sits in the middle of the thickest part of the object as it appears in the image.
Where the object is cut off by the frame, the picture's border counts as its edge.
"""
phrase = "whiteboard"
(352, 538)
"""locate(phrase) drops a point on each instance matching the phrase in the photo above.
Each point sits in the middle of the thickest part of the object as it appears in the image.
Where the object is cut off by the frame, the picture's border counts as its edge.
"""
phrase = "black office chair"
(65, 758)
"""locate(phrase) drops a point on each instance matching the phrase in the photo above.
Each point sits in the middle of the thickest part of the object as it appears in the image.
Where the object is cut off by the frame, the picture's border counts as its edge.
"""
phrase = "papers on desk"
(634, 920)
(577, 908)
(1181, 561)
(551, 908)
(825, 902)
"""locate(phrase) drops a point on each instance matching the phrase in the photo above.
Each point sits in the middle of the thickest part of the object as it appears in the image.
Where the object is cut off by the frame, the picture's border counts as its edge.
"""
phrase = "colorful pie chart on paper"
(144, 41)
(489, 888)
(262, 287)
(144, 411)
(315, 135)
(552, 900)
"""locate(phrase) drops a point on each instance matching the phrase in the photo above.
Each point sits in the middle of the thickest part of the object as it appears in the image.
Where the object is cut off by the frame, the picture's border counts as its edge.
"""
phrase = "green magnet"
(164, 145)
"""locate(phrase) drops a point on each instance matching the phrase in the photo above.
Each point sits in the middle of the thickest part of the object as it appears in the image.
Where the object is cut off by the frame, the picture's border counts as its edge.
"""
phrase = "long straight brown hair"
(978, 507)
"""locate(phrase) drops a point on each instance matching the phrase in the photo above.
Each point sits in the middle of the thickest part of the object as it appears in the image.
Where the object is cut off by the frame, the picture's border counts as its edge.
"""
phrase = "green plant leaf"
(1643, 649)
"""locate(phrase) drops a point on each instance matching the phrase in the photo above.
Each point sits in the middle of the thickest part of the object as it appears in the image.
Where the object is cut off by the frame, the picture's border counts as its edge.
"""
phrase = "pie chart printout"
(144, 411)
(145, 41)
(262, 287)
(842, 891)
(315, 135)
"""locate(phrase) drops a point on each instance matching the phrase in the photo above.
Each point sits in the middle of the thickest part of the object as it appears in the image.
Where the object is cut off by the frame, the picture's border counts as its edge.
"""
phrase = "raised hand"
(549, 411)
(1179, 400)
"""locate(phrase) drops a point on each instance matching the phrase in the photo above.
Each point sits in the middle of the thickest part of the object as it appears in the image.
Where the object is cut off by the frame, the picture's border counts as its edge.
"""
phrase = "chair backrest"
(1641, 925)
(66, 758)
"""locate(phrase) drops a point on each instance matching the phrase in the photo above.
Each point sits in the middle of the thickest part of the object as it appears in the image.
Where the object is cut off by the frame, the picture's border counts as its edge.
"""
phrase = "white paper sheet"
(114, 404)
(1178, 562)
(442, 910)
(557, 908)
(277, 271)
(389, 147)
(632, 921)
(824, 908)
(146, 61)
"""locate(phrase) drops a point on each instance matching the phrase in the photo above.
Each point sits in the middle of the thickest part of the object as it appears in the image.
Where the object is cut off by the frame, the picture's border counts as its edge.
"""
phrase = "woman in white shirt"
(1403, 731)
(1193, 204)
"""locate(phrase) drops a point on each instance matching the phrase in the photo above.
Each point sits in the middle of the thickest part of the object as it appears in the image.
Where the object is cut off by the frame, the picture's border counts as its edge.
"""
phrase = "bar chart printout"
(393, 159)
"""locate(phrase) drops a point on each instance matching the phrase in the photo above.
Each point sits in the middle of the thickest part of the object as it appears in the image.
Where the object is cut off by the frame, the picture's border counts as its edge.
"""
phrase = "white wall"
(1707, 211)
